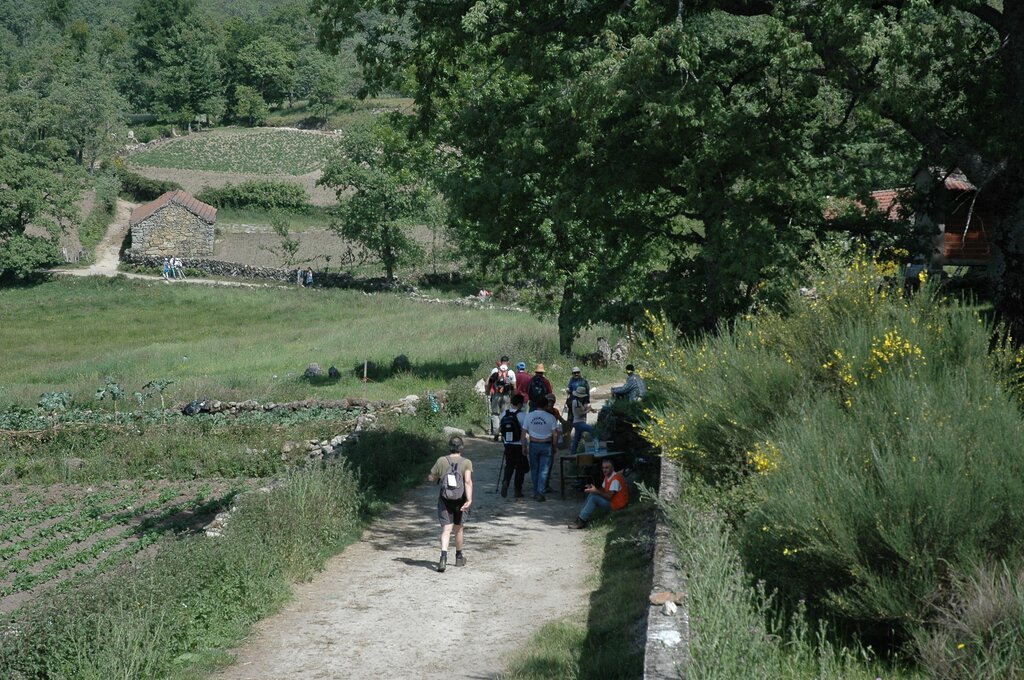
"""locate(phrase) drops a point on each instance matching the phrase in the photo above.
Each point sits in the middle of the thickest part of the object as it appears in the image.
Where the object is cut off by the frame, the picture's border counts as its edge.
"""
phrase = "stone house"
(174, 224)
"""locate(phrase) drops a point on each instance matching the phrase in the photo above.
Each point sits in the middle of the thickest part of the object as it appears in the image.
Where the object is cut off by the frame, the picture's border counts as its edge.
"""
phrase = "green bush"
(94, 227)
(736, 630)
(862, 443)
(262, 194)
(140, 188)
(22, 256)
(147, 133)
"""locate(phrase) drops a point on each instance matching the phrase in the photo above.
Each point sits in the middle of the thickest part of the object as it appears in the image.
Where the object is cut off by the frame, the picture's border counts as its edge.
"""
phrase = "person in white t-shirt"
(542, 431)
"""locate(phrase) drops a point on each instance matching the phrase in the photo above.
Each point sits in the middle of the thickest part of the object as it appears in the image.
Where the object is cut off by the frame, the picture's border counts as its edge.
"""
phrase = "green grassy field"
(257, 151)
(223, 343)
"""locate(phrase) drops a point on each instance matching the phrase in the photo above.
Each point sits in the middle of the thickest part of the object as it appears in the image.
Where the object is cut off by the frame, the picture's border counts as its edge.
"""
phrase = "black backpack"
(537, 390)
(510, 429)
(453, 486)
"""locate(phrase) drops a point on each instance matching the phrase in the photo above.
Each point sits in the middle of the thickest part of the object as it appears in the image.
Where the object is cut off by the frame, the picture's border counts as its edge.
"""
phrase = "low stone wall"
(245, 271)
(667, 651)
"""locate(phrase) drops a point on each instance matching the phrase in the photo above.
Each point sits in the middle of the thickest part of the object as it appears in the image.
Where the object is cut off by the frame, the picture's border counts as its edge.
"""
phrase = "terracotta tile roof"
(888, 202)
(957, 181)
(205, 212)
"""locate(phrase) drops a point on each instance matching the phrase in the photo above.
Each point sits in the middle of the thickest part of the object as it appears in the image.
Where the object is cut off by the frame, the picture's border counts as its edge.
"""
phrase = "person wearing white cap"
(576, 380)
(579, 405)
(501, 383)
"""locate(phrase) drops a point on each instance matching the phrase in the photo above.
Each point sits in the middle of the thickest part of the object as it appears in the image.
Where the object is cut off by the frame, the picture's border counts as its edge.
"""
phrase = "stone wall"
(173, 230)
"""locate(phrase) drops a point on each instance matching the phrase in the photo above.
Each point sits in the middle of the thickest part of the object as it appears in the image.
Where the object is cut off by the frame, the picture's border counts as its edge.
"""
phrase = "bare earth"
(381, 610)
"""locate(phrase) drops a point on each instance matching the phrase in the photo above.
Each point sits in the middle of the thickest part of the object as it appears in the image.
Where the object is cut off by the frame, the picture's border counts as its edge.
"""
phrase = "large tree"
(382, 180)
(829, 99)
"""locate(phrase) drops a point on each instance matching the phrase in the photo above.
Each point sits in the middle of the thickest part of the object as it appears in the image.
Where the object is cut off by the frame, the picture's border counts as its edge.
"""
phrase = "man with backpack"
(501, 383)
(455, 475)
(538, 389)
(516, 453)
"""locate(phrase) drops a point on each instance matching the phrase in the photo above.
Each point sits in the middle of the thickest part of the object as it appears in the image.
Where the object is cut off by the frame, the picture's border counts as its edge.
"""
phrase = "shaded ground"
(380, 609)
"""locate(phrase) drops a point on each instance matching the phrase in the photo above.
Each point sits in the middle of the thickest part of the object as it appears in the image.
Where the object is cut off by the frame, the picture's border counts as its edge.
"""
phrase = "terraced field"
(259, 151)
(51, 534)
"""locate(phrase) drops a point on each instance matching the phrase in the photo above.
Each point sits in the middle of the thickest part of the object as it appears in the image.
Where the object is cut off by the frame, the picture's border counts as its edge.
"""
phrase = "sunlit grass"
(224, 343)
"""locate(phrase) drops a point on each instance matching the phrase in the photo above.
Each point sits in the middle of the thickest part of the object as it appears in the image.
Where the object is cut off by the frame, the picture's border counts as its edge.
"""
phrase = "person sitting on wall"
(613, 494)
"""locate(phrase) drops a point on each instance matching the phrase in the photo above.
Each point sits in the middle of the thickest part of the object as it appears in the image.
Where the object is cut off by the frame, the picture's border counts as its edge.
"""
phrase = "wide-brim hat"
(539, 369)
(580, 391)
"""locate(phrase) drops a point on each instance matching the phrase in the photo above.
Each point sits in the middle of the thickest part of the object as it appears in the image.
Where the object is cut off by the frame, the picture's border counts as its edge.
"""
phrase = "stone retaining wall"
(246, 271)
(667, 652)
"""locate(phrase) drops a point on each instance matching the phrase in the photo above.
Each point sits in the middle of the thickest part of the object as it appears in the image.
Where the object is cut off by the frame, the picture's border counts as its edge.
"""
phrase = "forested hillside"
(74, 74)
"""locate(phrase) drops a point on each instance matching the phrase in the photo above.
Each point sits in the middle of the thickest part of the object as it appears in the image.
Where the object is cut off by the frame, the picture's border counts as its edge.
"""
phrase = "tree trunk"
(566, 323)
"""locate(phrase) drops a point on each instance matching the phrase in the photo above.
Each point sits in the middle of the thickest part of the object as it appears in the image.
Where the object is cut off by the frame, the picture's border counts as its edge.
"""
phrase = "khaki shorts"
(448, 512)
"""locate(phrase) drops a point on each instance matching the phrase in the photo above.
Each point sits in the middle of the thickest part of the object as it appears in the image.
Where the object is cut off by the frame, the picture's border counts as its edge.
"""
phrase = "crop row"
(120, 523)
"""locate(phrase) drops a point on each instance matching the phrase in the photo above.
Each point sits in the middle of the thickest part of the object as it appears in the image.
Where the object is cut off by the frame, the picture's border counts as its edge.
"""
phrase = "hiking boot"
(504, 490)
(442, 564)
(578, 524)
(460, 561)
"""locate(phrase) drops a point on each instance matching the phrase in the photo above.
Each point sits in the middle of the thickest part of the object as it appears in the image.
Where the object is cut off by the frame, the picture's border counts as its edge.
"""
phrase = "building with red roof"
(174, 224)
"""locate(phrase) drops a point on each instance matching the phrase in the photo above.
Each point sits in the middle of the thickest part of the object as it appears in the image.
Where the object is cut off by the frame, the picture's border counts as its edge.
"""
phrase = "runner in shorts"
(451, 471)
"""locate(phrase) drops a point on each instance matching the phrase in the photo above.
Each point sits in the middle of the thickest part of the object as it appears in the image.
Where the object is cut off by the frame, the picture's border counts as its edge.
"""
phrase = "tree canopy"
(701, 141)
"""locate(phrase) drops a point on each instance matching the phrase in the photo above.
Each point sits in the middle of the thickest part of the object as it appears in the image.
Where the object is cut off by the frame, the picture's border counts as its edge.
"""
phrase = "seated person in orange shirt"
(613, 494)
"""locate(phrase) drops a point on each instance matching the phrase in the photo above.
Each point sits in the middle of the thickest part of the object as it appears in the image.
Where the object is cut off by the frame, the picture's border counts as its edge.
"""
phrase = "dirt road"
(381, 610)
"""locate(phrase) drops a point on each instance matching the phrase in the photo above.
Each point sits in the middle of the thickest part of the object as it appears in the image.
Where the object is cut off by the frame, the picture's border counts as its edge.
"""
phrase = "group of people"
(173, 268)
(525, 419)
(304, 277)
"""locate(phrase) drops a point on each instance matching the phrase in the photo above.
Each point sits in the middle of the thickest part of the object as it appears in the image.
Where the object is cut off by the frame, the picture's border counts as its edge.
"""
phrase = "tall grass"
(736, 630)
(249, 344)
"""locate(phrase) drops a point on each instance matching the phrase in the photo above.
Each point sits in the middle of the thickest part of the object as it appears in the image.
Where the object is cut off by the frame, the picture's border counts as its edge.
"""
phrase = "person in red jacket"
(613, 494)
(522, 381)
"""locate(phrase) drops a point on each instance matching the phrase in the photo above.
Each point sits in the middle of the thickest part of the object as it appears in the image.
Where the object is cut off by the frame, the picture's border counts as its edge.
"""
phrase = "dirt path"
(381, 610)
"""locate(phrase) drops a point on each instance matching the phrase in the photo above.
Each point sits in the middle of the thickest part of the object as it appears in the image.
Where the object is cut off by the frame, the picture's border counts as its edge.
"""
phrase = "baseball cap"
(629, 367)
(575, 369)
(521, 366)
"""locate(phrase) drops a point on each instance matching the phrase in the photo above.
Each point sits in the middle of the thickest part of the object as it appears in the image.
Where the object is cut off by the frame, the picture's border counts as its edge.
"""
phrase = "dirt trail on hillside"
(381, 610)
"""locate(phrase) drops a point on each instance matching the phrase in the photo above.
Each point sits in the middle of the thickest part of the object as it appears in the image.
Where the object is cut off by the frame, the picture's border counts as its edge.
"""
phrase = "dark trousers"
(517, 462)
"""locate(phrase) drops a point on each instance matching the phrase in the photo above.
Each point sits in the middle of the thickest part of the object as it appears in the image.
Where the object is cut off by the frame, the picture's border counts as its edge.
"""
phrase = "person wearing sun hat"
(538, 389)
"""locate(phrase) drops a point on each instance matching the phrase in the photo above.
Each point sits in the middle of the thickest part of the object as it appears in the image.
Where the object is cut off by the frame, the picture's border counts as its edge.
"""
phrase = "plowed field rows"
(49, 534)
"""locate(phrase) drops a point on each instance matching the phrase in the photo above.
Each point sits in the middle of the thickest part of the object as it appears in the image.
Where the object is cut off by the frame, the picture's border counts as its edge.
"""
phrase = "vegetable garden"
(52, 534)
